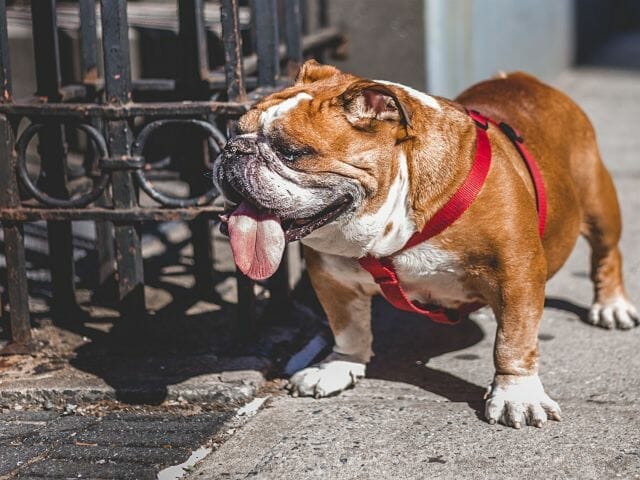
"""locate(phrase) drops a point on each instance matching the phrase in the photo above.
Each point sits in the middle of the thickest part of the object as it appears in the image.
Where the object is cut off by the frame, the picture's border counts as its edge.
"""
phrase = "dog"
(356, 168)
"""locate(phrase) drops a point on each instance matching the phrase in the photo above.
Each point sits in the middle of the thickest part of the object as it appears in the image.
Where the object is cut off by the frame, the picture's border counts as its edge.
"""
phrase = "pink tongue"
(257, 241)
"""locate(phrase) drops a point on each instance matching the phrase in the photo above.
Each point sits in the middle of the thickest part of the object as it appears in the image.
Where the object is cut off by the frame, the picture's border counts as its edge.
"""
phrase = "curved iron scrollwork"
(81, 201)
(215, 140)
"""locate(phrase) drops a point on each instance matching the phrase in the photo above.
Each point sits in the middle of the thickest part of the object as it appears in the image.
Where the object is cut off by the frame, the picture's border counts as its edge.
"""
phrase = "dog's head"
(324, 151)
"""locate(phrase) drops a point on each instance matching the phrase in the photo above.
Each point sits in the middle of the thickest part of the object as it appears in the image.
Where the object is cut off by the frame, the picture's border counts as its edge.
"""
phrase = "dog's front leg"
(516, 396)
(348, 309)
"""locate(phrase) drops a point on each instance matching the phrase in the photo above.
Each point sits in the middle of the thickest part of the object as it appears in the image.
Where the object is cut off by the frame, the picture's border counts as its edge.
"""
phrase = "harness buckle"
(510, 132)
(480, 120)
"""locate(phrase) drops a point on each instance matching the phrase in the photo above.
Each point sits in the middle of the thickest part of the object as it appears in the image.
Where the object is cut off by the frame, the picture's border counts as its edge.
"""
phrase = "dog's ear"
(365, 101)
(312, 71)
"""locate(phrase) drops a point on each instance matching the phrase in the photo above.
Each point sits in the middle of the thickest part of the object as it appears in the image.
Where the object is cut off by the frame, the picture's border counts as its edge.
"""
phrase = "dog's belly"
(427, 275)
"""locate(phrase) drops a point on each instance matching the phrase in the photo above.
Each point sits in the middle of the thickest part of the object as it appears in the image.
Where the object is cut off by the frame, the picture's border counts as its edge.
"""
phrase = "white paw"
(326, 378)
(517, 401)
(616, 313)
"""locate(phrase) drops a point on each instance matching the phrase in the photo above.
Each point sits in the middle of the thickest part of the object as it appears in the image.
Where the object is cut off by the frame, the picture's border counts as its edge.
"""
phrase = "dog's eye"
(291, 153)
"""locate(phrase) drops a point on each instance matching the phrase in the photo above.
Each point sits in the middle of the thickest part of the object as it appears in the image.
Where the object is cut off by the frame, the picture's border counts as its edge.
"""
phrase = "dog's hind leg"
(602, 228)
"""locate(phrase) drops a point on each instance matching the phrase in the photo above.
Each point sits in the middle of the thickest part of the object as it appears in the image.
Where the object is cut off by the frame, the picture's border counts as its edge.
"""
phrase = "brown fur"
(506, 262)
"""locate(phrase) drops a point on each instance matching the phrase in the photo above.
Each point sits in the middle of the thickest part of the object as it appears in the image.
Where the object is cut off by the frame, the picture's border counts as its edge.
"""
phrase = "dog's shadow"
(404, 343)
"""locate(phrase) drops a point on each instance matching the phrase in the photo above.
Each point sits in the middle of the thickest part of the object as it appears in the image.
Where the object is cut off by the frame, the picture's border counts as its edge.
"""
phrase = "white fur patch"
(426, 100)
(275, 112)
(360, 235)
(431, 274)
(618, 313)
(326, 378)
(427, 273)
(520, 401)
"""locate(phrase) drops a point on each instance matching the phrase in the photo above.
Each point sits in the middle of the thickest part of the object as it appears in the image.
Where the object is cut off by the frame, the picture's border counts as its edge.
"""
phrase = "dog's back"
(561, 138)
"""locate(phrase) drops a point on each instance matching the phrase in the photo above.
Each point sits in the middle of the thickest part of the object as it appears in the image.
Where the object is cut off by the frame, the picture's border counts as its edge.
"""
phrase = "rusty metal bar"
(268, 52)
(246, 313)
(293, 30)
(105, 232)
(5, 63)
(117, 73)
(192, 85)
(117, 112)
(266, 23)
(88, 41)
(53, 179)
(122, 215)
(192, 39)
(323, 13)
(304, 16)
(326, 38)
(19, 318)
(17, 292)
(232, 51)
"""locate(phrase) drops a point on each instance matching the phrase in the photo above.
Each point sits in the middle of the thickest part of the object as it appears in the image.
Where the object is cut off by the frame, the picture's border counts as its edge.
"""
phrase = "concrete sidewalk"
(419, 413)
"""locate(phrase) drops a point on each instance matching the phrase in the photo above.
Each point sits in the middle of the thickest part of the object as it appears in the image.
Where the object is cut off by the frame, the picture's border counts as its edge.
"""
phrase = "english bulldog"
(353, 168)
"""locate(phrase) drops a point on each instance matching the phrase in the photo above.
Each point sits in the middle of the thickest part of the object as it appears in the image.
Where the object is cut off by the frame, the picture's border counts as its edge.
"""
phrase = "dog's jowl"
(440, 205)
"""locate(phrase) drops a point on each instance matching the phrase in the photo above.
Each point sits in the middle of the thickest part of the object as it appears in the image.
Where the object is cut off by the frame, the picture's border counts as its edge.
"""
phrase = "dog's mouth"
(258, 236)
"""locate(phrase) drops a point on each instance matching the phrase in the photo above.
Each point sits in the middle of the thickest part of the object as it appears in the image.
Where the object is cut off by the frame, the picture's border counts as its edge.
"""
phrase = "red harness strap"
(382, 269)
(538, 183)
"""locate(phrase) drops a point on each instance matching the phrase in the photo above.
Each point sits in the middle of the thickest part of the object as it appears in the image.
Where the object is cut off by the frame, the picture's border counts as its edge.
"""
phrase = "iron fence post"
(192, 85)
(293, 33)
(117, 79)
(266, 24)
(105, 248)
(246, 312)
(18, 295)
(5, 64)
(53, 177)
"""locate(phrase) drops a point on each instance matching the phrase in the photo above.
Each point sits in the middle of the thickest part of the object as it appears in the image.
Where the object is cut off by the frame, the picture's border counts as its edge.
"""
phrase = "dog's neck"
(425, 179)
(441, 136)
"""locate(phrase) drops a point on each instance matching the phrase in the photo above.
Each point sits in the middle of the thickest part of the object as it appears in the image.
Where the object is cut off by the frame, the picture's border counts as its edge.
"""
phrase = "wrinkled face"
(320, 150)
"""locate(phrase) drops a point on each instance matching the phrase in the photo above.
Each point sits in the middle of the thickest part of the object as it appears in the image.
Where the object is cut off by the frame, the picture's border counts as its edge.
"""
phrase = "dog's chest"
(427, 274)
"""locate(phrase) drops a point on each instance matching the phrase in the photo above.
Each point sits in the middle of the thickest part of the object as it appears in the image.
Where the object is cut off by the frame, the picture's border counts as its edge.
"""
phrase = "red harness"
(382, 269)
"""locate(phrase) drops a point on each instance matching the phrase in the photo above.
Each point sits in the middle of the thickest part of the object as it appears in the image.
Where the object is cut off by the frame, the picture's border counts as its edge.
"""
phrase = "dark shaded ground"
(117, 445)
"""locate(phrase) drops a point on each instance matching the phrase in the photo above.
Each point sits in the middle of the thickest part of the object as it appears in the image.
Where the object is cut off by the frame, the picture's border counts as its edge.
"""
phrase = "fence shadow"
(185, 336)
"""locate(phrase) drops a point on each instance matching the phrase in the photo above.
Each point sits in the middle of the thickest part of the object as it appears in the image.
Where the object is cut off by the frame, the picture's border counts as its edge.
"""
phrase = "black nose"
(241, 146)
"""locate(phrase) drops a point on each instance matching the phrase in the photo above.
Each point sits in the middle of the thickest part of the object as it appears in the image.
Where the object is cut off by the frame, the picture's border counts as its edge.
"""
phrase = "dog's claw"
(520, 403)
(554, 416)
(617, 313)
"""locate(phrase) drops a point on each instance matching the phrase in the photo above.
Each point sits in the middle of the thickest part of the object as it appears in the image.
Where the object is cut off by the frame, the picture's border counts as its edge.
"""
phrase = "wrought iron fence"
(118, 120)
